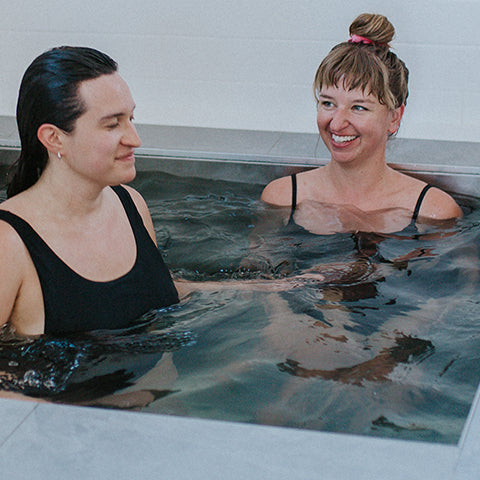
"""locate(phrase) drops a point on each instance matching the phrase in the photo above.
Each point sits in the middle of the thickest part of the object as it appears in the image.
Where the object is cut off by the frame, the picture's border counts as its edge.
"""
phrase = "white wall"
(249, 64)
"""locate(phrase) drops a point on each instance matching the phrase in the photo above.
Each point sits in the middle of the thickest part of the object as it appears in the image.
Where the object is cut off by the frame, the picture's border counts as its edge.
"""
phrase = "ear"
(50, 137)
(396, 118)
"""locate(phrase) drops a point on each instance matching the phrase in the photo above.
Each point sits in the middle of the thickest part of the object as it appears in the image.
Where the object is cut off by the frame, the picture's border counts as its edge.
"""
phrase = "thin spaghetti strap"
(294, 196)
(419, 202)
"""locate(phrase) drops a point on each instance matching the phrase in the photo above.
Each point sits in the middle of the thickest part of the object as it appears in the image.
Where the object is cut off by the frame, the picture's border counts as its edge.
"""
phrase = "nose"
(131, 137)
(339, 120)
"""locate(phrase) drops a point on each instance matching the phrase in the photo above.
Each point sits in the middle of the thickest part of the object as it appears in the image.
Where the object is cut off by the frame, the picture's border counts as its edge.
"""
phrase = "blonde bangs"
(352, 68)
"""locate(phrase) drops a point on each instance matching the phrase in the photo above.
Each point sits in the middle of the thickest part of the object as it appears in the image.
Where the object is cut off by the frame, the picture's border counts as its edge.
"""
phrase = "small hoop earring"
(59, 155)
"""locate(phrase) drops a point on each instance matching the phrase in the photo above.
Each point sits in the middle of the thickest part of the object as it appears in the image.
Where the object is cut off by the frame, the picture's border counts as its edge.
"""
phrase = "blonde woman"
(361, 90)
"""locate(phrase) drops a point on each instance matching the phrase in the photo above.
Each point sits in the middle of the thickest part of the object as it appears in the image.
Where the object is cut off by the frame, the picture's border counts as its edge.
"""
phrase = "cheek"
(94, 153)
(103, 145)
(322, 125)
(321, 121)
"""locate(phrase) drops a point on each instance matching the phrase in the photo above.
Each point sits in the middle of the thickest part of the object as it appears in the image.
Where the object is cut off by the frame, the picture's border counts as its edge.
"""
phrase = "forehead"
(345, 91)
(105, 93)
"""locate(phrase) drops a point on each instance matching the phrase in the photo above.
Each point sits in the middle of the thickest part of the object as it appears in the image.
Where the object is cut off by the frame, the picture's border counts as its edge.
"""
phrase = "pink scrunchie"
(359, 39)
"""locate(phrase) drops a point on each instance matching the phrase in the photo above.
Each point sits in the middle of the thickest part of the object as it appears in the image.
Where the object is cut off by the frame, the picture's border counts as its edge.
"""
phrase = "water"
(386, 345)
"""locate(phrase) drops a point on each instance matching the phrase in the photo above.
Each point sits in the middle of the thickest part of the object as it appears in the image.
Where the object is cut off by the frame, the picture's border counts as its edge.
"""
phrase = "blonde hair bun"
(366, 61)
(375, 27)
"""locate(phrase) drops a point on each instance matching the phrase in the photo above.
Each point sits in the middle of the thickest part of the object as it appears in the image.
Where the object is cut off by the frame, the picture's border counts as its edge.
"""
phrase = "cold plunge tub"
(191, 448)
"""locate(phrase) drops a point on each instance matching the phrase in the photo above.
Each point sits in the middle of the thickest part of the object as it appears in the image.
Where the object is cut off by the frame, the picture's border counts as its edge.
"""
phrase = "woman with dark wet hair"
(78, 247)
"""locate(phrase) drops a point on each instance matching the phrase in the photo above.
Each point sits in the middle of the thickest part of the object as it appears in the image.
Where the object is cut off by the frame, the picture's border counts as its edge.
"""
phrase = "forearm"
(186, 287)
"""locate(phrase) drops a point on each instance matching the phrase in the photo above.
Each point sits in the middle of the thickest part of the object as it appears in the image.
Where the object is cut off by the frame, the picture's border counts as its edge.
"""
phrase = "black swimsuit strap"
(419, 202)
(294, 197)
(416, 210)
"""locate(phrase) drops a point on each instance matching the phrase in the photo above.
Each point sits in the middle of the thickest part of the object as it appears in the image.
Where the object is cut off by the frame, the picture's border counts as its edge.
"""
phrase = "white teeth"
(343, 139)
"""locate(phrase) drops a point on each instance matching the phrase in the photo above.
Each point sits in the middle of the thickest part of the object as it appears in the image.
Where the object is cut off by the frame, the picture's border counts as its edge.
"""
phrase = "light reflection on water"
(386, 345)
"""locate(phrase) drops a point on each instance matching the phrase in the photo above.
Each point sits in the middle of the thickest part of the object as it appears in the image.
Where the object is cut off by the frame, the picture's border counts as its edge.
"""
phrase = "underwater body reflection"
(386, 344)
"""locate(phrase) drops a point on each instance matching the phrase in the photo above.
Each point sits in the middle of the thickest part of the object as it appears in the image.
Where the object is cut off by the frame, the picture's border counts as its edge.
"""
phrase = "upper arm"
(439, 205)
(278, 192)
(11, 270)
(143, 210)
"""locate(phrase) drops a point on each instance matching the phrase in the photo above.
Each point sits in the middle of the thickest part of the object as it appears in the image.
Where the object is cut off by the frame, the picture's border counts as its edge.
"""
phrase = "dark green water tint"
(386, 345)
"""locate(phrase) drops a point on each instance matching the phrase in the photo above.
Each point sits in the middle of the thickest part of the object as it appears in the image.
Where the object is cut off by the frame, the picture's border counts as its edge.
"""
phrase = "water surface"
(386, 345)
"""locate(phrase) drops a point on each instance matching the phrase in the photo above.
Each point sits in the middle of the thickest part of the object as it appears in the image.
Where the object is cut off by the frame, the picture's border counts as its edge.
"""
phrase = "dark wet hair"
(369, 64)
(49, 94)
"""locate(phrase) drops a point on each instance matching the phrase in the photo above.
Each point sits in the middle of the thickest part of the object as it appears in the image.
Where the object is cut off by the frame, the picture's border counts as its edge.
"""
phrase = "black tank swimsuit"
(415, 211)
(74, 304)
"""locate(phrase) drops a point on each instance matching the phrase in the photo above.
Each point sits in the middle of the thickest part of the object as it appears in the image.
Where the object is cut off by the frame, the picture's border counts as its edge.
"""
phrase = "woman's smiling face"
(354, 125)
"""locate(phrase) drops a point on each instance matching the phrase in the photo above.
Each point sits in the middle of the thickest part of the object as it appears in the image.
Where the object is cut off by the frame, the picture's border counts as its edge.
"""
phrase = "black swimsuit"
(415, 211)
(74, 304)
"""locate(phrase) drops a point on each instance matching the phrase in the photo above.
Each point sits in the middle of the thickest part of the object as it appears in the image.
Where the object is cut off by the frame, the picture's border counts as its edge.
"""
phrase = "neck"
(355, 183)
(66, 194)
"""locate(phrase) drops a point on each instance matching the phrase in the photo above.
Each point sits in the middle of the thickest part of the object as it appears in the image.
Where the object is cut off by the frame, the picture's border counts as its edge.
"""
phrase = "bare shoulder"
(10, 241)
(137, 199)
(439, 205)
(278, 192)
(14, 254)
(142, 208)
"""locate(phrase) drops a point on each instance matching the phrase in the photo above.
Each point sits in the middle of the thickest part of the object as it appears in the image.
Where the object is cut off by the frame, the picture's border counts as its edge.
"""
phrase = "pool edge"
(85, 442)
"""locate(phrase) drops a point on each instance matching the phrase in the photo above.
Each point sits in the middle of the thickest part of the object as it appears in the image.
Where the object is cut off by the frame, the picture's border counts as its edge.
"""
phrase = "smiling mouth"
(343, 138)
(128, 157)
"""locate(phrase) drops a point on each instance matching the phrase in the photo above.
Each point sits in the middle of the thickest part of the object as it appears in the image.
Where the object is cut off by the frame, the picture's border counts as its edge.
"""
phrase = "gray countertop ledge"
(264, 147)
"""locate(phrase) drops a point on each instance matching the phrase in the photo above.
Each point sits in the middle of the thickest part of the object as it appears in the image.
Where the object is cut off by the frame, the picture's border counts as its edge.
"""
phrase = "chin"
(342, 159)
(127, 176)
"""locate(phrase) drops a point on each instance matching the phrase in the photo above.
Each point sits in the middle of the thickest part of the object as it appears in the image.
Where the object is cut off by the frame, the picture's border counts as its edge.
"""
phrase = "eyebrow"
(116, 115)
(113, 116)
(359, 100)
